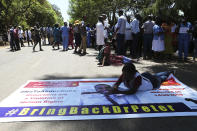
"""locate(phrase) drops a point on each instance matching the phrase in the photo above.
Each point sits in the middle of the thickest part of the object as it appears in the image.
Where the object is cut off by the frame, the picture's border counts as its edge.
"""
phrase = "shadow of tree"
(185, 72)
(64, 77)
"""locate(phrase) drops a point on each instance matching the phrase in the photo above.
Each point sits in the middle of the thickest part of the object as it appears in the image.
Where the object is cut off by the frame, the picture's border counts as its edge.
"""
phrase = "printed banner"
(87, 99)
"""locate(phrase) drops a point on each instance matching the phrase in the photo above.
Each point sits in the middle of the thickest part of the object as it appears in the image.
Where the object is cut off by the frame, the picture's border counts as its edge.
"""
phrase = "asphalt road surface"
(18, 67)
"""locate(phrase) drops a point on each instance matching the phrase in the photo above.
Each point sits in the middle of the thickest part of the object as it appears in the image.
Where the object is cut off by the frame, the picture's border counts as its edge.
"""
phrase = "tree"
(93, 8)
(164, 8)
(27, 12)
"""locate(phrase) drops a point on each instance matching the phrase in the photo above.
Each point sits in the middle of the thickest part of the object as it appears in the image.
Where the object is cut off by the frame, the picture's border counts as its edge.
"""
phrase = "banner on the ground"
(87, 99)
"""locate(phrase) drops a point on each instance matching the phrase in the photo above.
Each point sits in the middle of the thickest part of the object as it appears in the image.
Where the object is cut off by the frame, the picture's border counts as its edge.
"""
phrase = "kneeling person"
(104, 55)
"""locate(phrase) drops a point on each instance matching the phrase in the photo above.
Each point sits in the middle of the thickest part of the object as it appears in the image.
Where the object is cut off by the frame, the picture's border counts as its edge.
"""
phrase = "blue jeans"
(120, 44)
(183, 45)
(148, 38)
(157, 79)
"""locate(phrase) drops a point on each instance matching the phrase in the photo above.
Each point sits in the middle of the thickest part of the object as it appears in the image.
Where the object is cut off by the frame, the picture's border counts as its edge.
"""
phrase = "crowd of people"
(149, 38)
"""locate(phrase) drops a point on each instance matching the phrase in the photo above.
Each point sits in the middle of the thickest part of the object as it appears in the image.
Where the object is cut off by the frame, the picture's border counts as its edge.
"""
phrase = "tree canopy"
(163, 8)
(28, 12)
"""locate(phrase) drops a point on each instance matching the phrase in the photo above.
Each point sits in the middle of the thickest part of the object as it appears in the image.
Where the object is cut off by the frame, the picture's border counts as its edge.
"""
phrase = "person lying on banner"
(135, 81)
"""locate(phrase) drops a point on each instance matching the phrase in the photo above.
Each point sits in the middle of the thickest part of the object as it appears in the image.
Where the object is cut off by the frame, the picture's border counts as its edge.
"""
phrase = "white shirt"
(106, 24)
(100, 33)
(20, 33)
(29, 33)
(146, 84)
(128, 32)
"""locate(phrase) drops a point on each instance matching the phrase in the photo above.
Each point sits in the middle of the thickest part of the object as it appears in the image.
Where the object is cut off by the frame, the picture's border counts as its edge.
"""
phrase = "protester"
(77, 35)
(148, 38)
(158, 40)
(28, 36)
(16, 38)
(83, 37)
(43, 35)
(168, 39)
(57, 36)
(12, 39)
(65, 36)
(37, 37)
(106, 25)
(71, 36)
(104, 55)
(136, 36)
(100, 33)
(135, 81)
(93, 36)
(8, 35)
(88, 29)
(49, 34)
(33, 34)
(174, 32)
(195, 41)
(120, 33)
(20, 34)
(128, 36)
(184, 39)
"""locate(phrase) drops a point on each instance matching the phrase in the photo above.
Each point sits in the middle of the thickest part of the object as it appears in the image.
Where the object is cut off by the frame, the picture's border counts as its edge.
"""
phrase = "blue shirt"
(156, 30)
(121, 25)
(185, 28)
(56, 34)
(135, 26)
(65, 31)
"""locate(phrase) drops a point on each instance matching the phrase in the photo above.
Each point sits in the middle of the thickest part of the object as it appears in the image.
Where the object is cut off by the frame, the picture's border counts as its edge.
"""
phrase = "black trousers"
(38, 40)
(21, 41)
(130, 46)
(16, 40)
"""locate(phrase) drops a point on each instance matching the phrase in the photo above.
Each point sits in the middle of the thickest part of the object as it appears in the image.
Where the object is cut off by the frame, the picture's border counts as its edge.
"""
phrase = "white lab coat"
(106, 25)
(100, 34)
(29, 33)
(20, 33)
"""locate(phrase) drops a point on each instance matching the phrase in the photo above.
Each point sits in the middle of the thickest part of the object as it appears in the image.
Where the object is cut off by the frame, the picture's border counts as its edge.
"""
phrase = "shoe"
(180, 60)
(186, 60)
(41, 50)
(83, 54)
(173, 72)
(79, 52)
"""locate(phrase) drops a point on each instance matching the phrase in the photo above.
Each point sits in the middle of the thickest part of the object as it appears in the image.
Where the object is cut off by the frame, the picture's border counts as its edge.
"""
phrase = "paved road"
(18, 67)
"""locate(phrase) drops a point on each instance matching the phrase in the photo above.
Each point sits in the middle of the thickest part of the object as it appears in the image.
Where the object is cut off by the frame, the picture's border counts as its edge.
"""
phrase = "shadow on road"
(185, 72)
(64, 77)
